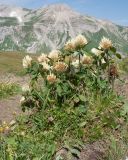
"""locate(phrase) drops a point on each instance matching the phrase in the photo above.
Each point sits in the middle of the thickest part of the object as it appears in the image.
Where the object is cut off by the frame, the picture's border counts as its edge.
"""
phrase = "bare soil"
(11, 106)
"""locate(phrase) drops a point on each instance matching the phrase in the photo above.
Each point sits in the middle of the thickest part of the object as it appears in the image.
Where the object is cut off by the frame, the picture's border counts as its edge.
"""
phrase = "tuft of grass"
(118, 150)
(8, 89)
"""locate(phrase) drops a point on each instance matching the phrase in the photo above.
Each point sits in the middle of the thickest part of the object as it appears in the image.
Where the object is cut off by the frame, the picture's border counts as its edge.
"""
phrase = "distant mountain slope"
(48, 28)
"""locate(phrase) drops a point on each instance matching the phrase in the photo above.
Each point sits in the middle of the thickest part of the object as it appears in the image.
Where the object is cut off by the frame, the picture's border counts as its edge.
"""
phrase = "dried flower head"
(69, 46)
(27, 61)
(113, 71)
(51, 78)
(80, 41)
(60, 67)
(42, 58)
(46, 66)
(97, 52)
(105, 43)
(87, 59)
(54, 55)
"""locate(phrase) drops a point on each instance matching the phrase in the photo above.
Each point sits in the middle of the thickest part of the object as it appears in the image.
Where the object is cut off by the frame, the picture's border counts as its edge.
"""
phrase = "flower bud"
(51, 78)
(97, 52)
(27, 61)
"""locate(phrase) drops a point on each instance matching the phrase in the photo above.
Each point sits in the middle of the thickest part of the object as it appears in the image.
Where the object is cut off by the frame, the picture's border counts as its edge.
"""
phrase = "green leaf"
(118, 55)
(59, 90)
(82, 98)
(81, 109)
(71, 104)
(113, 49)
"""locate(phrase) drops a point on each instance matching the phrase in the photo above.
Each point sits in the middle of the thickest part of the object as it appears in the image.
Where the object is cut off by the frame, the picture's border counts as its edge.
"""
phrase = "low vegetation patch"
(8, 89)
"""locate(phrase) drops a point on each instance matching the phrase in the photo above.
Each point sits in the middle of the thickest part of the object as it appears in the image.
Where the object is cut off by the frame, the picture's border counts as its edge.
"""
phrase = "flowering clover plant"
(68, 76)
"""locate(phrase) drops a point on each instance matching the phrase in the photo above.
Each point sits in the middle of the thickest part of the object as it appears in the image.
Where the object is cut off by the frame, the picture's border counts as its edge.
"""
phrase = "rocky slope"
(48, 28)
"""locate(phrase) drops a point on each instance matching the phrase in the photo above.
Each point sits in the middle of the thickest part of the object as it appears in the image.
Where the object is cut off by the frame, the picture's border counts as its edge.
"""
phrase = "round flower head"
(27, 61)
(87, 59)
(51, 78)
(105, 43)
(80, 41)
(60, 67)
(42, 58)
(97, 52)
(54, 55)
(69, 46)
(45, 66)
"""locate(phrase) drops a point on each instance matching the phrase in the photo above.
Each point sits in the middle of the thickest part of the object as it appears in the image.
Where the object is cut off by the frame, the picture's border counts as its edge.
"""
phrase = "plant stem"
(79, 63)
(45, 102)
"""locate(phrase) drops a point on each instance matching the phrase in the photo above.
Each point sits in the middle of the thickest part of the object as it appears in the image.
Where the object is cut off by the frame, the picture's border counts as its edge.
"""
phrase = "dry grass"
(11, 62)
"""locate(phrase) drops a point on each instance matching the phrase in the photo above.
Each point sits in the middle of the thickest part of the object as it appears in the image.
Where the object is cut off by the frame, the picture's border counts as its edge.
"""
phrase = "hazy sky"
(114, 10)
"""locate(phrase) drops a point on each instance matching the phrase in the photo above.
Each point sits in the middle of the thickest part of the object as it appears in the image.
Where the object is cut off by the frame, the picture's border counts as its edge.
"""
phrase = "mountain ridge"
(48, 28)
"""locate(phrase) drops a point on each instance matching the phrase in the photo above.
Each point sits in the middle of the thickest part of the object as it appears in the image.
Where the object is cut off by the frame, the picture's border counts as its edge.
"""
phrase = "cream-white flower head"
(87, 59)
(27, 61)
(22, 99)
(60, 67)
(54, 55)
(46, 66)
(97, 52)
(80, 41)
(25, 88)
(75, 43)
(105, 43)
(51, 78)
(75, 63)
(69, 46)
(42, 58)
